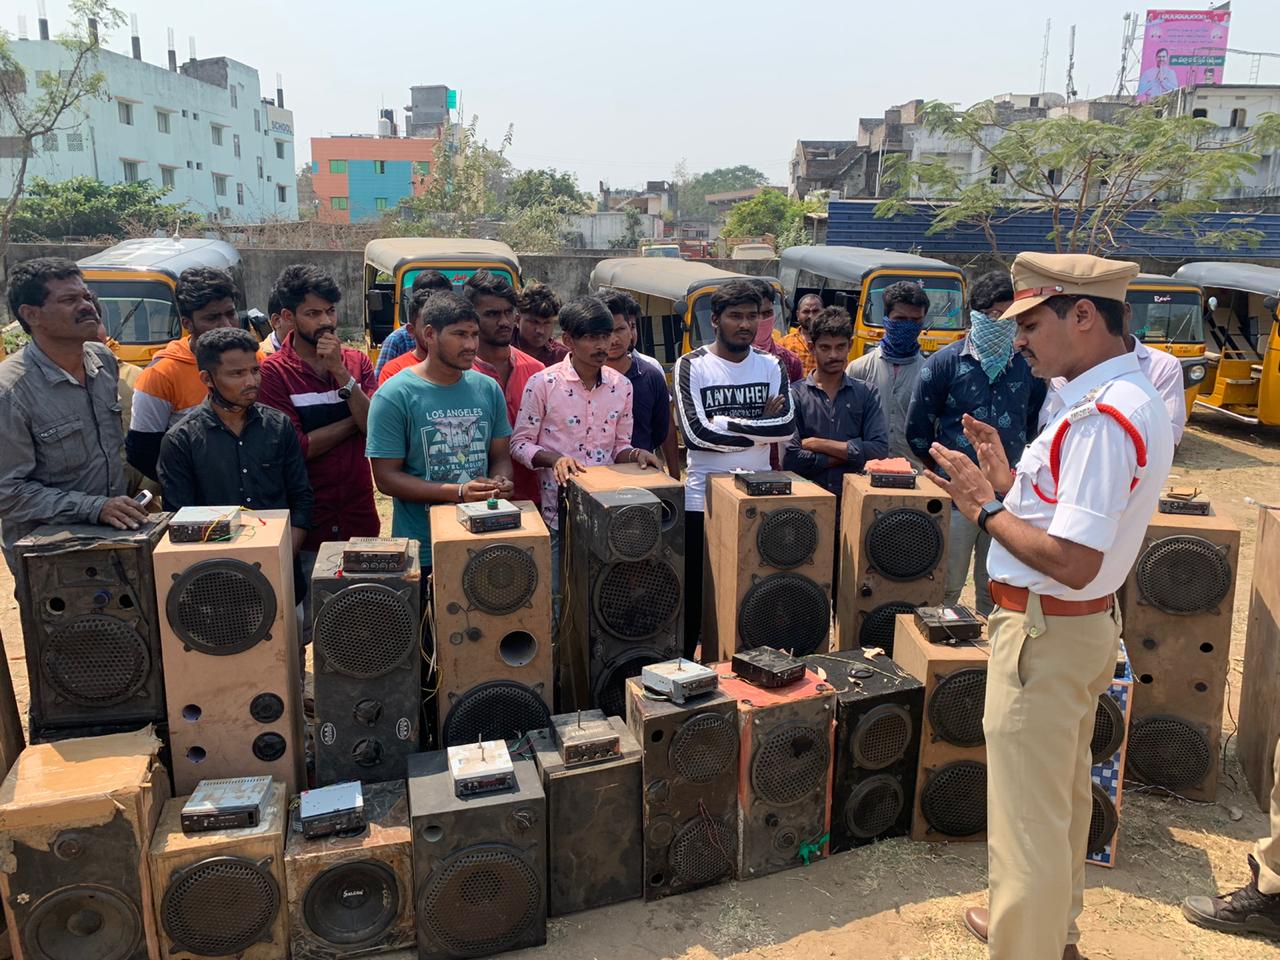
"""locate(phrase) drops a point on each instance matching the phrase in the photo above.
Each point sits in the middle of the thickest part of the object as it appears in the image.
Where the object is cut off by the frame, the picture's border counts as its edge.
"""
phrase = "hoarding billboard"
(1181, 48)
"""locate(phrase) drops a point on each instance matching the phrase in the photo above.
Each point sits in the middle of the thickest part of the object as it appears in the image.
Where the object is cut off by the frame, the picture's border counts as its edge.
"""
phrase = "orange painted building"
(362, 178)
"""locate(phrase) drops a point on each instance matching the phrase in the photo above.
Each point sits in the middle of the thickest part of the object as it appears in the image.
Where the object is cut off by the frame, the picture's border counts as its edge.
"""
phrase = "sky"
(624, 92)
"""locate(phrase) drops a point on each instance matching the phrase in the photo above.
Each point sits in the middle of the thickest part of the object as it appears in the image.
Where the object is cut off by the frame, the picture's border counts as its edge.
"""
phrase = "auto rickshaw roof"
(390, 254)
(1160, 280)
(164, 255)
(851, 264)
(661, 276)
(1249, 277)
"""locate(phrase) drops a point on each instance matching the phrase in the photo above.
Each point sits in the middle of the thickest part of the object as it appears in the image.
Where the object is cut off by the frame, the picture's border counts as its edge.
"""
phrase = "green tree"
(86, 207)
(769, 212)
(539, 227)
(1091, 176)
(532, 187)
(693, 189)
(631, 226)
(468, 184)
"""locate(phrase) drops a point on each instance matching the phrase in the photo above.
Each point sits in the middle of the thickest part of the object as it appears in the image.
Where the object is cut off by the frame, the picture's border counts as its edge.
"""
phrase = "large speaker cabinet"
(879, 709)
(690, 800)
(230, 638)
(769, 567)
(1177, 606)
(353, 896)
(623, 581)
(785, 754)
(221, 894)
(951, 780)
(1110, 738)
(88, 605)
(893, 558)
(591, 867)
(367, 666)
(1260, 693)
(77, 818)
(11, 744)
(491, 616)
(480, 863)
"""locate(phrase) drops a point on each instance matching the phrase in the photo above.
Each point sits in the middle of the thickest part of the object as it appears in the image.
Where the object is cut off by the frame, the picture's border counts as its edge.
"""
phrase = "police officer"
(1066, 528)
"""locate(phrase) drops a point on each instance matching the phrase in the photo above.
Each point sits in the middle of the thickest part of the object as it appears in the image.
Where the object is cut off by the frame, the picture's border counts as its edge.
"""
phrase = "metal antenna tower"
(1128, 43)
(1071, 65)
(1044, 57)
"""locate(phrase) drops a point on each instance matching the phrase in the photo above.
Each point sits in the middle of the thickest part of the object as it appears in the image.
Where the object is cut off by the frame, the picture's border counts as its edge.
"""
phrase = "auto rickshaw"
(855, 278)
(675, 300)
(135, 281)
(392, 264)
(1165, 314)
(1241, 302)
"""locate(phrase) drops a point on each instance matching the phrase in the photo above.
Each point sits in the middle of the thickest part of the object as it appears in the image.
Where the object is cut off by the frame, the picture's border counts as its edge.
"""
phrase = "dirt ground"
(902, 901)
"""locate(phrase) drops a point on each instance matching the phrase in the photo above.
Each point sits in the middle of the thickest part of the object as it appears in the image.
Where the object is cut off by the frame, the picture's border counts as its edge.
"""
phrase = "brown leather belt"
(1015, 599)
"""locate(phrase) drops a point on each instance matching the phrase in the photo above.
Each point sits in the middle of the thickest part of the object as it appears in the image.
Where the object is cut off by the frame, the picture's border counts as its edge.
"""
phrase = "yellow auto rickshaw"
(135, 280)
(675, 300)
(1241, 303)
(856, 277)
(392, 264)
(1165, 314)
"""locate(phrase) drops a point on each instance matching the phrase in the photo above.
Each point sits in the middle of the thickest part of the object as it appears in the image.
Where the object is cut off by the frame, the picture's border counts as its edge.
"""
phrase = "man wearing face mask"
(980, 376)
(894, 366)
(764, 334)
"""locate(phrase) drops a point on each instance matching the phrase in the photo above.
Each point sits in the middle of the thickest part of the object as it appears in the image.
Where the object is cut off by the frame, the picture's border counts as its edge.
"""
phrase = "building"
(1231, 108)
(202, 131)
(835, 165)
(361, 178)
(722, 203)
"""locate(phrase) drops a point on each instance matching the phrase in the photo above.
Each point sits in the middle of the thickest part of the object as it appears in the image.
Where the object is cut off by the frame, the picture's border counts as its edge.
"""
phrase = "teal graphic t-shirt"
(441, 433)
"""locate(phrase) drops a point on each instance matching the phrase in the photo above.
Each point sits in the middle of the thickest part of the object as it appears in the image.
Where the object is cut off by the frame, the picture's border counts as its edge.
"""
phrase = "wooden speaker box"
(769, 561)
(229, 633)
(491, 616)
(1177, 606)
(76, 818)
(951, 781)
(893, 558)
(353, 896)
(221, 894)
(785, 751)
(590, 866)
(623, 580)
(1260, 695)
(1110, 738)
(690, 799)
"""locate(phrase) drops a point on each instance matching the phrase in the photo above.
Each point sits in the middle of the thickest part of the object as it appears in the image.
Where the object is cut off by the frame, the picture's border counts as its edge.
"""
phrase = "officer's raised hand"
(968, 487)
(991, 456)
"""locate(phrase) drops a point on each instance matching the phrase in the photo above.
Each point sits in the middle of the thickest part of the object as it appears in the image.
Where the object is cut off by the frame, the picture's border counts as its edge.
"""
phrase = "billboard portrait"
(1181, 48)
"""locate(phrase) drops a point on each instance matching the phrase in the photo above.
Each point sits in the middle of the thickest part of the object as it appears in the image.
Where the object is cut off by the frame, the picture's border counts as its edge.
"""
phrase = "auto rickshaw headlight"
(1195, 373)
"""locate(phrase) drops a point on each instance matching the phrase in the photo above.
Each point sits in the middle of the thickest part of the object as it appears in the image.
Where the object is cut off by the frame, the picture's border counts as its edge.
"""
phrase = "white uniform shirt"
(1164, 370)
(1095, 506)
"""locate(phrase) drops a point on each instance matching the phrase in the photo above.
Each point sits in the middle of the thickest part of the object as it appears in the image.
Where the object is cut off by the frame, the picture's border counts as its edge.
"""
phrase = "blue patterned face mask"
(992, 341)
(901, 338)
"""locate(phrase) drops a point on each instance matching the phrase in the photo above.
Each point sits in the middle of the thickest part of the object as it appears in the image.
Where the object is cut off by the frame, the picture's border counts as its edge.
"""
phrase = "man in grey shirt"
(894, 366)
(62, 459)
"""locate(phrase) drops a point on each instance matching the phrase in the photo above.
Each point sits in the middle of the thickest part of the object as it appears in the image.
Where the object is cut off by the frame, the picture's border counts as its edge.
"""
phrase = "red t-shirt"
(523, 367)
(392, 367)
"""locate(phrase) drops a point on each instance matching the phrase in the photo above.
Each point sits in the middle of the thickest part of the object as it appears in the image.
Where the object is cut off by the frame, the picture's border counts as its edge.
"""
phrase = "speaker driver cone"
(954, 800)
(874, 806)
(1169, 752)
(497, 710)
(220, 906)
(352, 903)
(904, 544)
(95, 661)
(1183, 574)
(221, 607)
(82, 922)
(1108, 729)
(785, 610)
(787, 538)
(480, 901)
(365, 630)
(1103, 822)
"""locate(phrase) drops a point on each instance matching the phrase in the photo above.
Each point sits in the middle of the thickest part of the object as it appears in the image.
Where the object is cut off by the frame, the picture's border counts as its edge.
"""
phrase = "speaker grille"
(1168, 752)
(704, 850)
(874, 807)
(904, 544)
(787, 538)
(1103, 822)
(352, 903)
(82, 922)
(633, 601)
(882, 737)
(480, 901)
(497, 710)
(878, 626)
(957, 706)
(634, 532)
(221, 607)
(95, 661)
(366, 630)
(790, 764)
(611, 685)
(785, 610)
(500, 579)
(704, 748)
(1108, 729)
(220, 906)
(1182, 575)
(954, 800)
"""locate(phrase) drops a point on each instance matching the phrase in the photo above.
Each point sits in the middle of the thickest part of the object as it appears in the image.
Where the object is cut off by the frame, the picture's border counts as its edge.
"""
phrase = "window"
(126, 112)
(997, 175)
(1199, 113)
(422, 168)
(162, 121)
(235, 144)
(130, 170)
(219, 184)
(75, 143)
(282, 194)
(335, 166)
(224, 213)
(257, 121)
(1053, 177)
(379, 203)
(280, 151)
(379, 166)
(217, 135)
(184, 114)
(234, 102)
(1238, 117)
(49, 143)
(338, 203)
(194, 115)
(259, 168)
(1035, 101)
(166, 177)
(199, 165)
(240, 194)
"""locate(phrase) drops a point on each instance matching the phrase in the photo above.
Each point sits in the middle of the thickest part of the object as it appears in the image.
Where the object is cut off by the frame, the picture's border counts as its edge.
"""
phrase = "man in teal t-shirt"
(438, 431)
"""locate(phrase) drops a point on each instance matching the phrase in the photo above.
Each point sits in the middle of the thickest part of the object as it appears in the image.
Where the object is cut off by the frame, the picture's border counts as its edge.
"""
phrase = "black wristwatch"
(347, 389)
(988, 511)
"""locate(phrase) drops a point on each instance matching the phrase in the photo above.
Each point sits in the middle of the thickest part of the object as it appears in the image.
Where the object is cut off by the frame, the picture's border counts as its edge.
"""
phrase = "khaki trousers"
(1267, 851)
(1043, 684)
